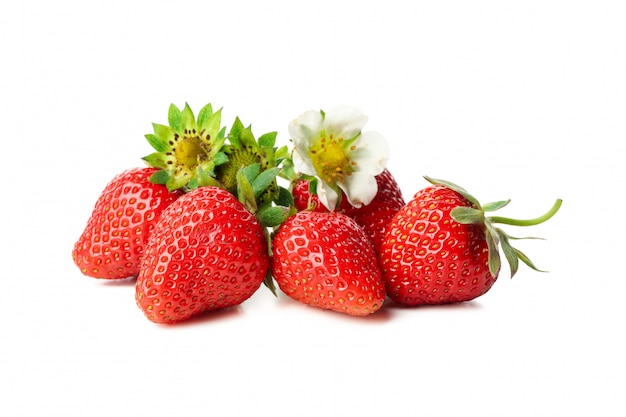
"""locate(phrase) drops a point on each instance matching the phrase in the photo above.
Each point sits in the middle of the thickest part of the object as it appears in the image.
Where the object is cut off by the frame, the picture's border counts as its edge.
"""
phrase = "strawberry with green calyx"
(443, 248)
(122, 220)
(207, 252)
(188, 149)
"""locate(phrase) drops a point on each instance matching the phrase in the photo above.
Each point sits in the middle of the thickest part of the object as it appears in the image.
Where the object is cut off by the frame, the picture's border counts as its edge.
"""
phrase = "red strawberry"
(113, 241)
(441, 248)
(206, 253)
(326, 260)
(373, 218)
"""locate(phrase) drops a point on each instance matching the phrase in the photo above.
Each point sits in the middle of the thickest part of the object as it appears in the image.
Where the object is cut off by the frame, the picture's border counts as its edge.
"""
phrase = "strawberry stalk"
(495, 236)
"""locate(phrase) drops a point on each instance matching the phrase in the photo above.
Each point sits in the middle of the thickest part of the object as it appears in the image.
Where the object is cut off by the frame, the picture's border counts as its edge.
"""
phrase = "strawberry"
(207, 252)
(441, 248)
(325, 260)
(124, 215)
(373, 218)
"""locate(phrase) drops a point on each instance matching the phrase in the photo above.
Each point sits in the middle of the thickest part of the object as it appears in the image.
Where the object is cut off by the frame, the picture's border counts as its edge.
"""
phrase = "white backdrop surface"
(520, 100)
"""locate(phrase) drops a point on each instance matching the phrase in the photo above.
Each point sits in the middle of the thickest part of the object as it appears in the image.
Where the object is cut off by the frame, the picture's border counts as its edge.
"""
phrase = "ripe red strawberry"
(441, 248)
(207, 252)
(325, 260)
(124, 215)
(373, 218)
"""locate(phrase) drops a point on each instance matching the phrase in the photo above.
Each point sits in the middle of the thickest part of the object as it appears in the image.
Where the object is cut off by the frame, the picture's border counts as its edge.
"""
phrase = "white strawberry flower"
(331, 147)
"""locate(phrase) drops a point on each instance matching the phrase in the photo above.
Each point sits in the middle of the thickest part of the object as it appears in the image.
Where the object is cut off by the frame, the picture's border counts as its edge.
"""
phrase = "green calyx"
(188, 149)
(495, 236)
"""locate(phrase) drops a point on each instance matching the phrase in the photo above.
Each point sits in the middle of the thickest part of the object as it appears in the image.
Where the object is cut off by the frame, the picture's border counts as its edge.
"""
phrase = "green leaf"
(164, 133)
(269, 283)
(456, 188)
(205, 179)
(497, 205)
(247, 138)
(174, 118)
(235, 132)
(268, 140)
(509, 251)
(157, 143)
(187, 119)
(245, 193)
(467, 215)
(494, 253)
(527, 260)
(273, 216)
(284, 198)
(160, 177)
(220, 158)
(156, 160)
(203, 115)
(264, 180)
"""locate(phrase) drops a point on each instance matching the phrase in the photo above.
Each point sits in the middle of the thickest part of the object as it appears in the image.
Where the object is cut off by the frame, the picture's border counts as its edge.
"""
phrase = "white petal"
(344, 121)
(301, 164)
(306, 127)
(327, 195)
(360, 188)
(371, 153)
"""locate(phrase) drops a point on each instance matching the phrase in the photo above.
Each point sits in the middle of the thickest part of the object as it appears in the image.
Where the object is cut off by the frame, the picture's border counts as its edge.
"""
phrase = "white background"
(521, 100)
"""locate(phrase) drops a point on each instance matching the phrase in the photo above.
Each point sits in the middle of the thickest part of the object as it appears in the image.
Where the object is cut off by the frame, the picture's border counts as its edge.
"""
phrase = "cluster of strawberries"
(207, 223)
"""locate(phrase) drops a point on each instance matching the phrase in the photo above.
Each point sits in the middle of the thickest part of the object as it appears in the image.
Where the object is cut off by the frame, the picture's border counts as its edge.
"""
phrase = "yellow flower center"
(330, 159)
(191, 150)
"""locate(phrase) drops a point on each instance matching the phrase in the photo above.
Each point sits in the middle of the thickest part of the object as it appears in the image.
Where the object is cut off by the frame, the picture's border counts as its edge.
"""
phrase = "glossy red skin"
(325, 260)
(206, 253)
(429, 258)
(373, 218)
(123, 217)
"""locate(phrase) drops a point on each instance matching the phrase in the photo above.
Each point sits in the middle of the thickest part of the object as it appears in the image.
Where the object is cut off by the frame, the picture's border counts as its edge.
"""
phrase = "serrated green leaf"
(157, 143)
(157, 160)
(264, 180)
(160, 177)
(497, 205)
(174, 118)
(268, 140)
(467, 215)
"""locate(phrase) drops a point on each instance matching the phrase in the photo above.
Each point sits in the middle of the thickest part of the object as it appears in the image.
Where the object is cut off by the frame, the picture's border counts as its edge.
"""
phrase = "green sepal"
(264, 180)
(220, 158)
(245, 193)
(509, 251)
(164, 133)
(157, 143)
(205, 179)
(174, 118)
(272, 216)
(203, 115)
(284, 198)
(156, 160)
(457, 188)
(497, 205)
(160, 177)
(187, 118)
(269, 283)
(268, 140)
(494, 261)
(468, 215)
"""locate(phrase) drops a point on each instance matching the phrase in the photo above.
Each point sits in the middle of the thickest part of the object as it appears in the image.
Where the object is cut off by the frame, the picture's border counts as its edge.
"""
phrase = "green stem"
(529, 222)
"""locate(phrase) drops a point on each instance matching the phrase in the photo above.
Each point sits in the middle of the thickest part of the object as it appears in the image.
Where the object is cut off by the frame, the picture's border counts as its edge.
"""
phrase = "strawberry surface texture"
(207, 252)
(326, 260)
(122, 220)
(429, 258)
